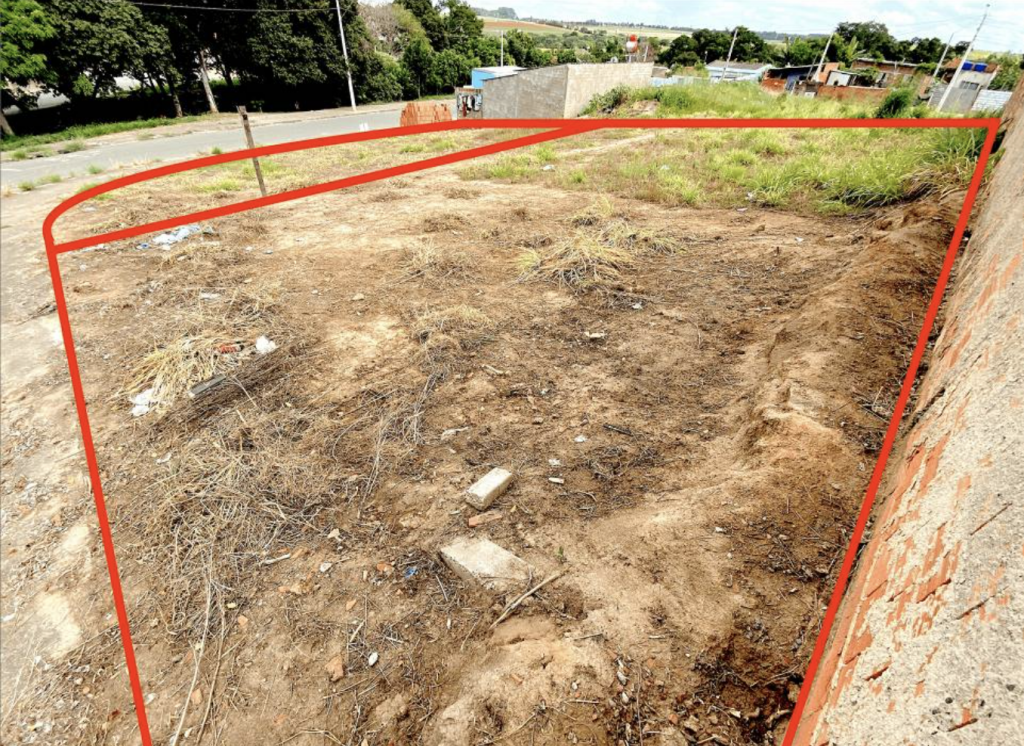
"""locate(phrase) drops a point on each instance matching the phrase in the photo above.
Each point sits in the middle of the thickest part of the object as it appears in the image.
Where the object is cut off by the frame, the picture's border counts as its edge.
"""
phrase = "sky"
(1003, 30)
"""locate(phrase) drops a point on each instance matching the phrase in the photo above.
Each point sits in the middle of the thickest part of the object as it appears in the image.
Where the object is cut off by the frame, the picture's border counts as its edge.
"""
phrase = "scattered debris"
(488, 488)
(264, 345)
(580, 438)
(372, 660)
(479, 560)
(143, 402)
(556, 480)
(484, 518)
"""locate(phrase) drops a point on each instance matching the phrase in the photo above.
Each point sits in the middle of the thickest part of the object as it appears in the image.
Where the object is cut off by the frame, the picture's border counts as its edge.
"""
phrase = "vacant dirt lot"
(690, 401)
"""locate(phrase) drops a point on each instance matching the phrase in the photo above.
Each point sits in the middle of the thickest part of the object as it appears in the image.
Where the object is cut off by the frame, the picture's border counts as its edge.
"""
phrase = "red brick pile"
(421, 112)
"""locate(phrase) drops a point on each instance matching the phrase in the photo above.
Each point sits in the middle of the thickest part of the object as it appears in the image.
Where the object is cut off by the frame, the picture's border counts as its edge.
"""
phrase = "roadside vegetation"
(825, 171)
(25, 146)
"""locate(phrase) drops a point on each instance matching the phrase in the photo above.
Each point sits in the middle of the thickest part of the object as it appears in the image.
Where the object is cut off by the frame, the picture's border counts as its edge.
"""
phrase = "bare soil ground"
(708, 396)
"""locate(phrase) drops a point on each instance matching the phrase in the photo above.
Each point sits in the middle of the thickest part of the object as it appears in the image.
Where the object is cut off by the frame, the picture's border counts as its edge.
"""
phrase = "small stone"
(358, 297)
(580, 438)
(335, 668)
(372, 660)
(488, 488)
(326, 567)
(556, 480)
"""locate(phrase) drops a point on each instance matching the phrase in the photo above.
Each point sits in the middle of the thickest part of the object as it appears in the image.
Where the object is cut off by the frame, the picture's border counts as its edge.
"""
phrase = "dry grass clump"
(594, 214)
(445, 333)
(460, 192)
(444, 221)
(221, 327)
(427, 261)
(583, 261)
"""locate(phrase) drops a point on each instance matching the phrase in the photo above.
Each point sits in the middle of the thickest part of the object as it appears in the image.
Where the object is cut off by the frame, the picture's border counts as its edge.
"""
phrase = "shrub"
(896, 104)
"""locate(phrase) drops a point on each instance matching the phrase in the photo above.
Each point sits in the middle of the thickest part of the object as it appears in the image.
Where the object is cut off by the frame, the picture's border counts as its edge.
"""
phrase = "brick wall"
(852, 93)
(928, 646)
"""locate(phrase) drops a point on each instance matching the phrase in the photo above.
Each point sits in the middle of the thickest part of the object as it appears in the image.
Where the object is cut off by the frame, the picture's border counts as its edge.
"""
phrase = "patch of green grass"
(50, 179)
(226, 184)
(27, 186)
(216, 151)
(74, 146)
(94, 169)
(85, 131)
(19, 155)
(545, 153)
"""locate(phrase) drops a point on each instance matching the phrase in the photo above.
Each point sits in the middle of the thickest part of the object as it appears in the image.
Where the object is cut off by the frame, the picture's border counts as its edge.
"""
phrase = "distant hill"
(507, 14)
(624, 27)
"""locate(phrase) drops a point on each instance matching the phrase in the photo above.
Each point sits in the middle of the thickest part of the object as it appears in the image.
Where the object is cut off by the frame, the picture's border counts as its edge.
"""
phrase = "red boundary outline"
(556, 129)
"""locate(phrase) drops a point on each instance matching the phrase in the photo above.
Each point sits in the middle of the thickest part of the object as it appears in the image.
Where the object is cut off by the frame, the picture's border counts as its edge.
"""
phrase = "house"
(737, 71)
(787, 78)
(480, 74)
(889, 74)
(974, 76)
(971, 92)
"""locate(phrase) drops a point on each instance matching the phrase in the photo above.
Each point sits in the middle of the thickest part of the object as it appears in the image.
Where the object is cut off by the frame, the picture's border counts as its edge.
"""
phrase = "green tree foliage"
(449, 69)
(1010, 68)
(25, 28)
(418, 59)
(430, 19)
(681, 52)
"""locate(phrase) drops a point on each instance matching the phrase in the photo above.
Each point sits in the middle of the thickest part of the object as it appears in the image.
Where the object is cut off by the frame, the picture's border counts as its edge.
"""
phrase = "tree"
(804, 51)
(94, 42)
(462, 26)
(430, 19)
(682, 51)
(25, 27)
(418, 59)
(711, 45)
(448, 70)
(1010, 67)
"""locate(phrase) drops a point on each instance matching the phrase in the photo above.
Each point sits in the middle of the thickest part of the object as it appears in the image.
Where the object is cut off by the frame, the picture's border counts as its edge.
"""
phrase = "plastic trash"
(143, 402)
(265, 345)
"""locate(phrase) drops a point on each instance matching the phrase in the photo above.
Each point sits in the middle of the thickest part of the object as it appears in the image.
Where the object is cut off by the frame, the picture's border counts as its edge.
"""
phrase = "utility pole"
(502, 34)
(960, 67)
(821, 62)
(344, 51)
(942, 58)
(728, 57)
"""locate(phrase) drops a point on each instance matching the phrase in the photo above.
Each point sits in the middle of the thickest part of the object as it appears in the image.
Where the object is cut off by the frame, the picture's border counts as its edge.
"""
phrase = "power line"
(229, 10)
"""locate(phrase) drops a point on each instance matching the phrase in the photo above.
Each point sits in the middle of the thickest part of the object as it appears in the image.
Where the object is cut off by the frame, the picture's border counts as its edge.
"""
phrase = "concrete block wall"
(928, 647)
(587, 81)
(561, 91)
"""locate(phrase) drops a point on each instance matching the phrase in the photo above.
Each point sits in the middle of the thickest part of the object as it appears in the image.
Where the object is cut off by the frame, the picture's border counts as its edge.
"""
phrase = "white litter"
(265, 345)
(209, 296)
(581, 438)
(553, 462)
(143, 402)
(548, 167)
(372, 660)
(326, 566)
(177, 235)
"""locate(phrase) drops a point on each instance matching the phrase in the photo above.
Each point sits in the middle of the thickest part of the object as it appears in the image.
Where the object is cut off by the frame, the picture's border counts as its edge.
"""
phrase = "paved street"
(106, 153)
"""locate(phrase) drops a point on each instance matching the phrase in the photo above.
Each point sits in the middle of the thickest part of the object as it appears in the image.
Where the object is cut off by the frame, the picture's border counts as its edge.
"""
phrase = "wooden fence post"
(248, 138)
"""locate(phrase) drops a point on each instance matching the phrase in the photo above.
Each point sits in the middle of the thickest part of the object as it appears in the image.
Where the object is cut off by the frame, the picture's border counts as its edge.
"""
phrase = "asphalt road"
(106, 155)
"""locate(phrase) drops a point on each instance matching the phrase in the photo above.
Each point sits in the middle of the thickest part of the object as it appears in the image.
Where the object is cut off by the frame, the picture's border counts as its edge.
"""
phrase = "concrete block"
(478, 560)
(488, 488)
